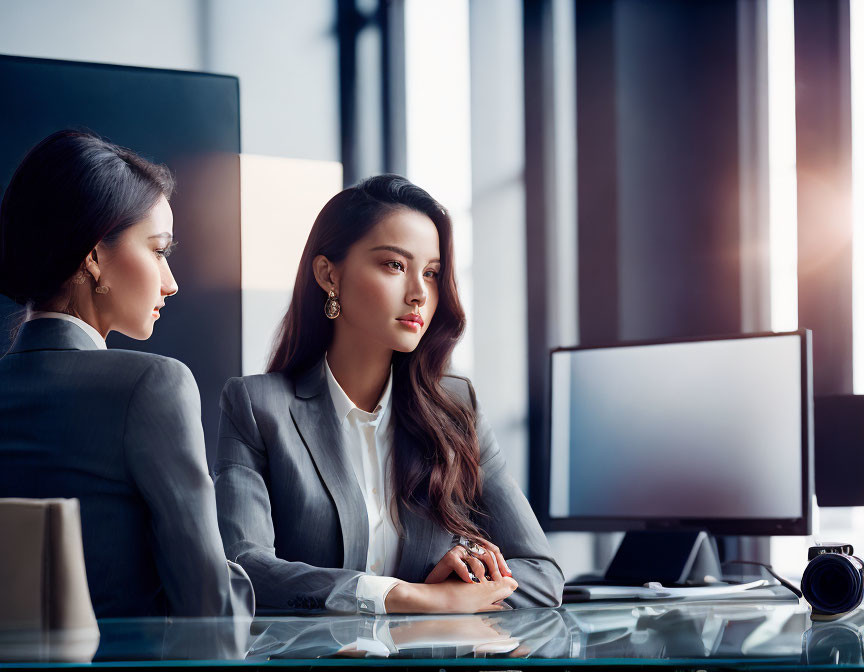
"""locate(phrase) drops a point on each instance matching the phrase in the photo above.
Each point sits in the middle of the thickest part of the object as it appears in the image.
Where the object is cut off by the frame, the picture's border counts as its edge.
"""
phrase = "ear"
(91, 265)
(326, 274)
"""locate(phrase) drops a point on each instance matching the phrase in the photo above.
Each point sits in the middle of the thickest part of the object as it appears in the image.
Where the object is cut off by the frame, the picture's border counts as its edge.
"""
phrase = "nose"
(169, 284)
(417, 292)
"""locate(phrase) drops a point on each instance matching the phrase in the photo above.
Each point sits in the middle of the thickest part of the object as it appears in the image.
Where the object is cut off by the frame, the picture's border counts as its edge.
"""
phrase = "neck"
(82, 307)
(361, 369)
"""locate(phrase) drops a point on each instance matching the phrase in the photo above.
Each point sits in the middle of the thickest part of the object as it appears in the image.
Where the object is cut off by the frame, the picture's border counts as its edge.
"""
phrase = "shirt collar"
(94, 335)
(343, 404)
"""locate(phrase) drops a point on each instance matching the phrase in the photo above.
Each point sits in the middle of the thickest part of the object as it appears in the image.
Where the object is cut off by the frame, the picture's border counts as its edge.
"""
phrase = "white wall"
(286, 54)
(148, 33)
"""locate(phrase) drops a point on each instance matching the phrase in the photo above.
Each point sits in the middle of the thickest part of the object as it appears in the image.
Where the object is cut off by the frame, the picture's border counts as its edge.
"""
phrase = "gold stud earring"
(102, 289)
(332, 307)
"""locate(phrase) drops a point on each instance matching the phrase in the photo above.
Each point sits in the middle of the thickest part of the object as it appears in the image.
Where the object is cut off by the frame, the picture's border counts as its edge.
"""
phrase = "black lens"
(832, 584)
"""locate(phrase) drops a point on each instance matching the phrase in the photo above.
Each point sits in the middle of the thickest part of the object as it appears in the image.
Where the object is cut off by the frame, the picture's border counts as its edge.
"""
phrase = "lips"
(411, 318)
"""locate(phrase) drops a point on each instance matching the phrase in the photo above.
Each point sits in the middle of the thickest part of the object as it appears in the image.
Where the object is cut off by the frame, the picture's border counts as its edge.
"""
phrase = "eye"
(395, 265)
(431, 274)
(165, 252)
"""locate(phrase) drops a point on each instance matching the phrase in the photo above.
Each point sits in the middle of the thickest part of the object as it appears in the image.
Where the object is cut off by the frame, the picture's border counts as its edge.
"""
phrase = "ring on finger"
(471, 547)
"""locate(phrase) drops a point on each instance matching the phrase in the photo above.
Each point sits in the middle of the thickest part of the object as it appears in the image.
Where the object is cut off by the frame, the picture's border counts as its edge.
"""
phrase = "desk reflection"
(173, 639)
(521, 633)
(836, 642)
(672, 633)
(689, 631)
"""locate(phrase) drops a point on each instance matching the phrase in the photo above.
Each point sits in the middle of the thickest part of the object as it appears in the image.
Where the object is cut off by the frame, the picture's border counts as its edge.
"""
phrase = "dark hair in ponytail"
(439, 475)
(72, 191)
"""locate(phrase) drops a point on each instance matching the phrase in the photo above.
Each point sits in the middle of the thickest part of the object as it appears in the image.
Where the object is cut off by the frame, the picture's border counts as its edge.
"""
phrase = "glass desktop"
(696, 635)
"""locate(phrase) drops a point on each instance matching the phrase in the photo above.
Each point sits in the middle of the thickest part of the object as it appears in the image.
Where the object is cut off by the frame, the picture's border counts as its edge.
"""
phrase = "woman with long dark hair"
(357, 474)
(85, 232)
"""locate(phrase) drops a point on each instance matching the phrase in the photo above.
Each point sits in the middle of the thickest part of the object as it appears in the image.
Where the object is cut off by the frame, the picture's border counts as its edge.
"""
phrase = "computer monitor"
(713, 434)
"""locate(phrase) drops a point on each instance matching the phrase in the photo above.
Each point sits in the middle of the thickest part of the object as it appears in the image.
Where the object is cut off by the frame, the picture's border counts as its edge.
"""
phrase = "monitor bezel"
(728, 526)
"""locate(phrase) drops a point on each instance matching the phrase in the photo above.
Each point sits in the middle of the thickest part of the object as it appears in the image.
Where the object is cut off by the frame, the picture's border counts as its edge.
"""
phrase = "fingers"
(499, 557)
(502, 563)
(493, 607)
(490, 560)
(457, 597)
(477, 567)
(520, 652)
(453, 561)
(503, 590)
(461, 568)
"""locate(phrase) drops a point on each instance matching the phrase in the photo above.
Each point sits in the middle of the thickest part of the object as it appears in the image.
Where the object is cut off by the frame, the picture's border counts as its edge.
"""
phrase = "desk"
(692, 635)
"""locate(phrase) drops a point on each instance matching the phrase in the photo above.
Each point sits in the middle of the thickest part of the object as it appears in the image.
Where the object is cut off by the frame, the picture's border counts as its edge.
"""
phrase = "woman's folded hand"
(484, 559)
(450, 597)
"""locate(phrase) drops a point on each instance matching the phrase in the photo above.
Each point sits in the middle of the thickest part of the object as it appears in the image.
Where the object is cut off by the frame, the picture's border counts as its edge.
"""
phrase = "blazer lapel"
(315, 418)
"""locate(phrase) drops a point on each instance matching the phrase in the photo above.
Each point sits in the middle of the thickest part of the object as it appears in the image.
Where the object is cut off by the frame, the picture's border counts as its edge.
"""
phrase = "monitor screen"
(711, 434)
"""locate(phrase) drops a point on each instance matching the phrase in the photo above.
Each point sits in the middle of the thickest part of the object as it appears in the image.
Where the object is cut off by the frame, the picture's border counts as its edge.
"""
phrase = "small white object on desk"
(656, 591)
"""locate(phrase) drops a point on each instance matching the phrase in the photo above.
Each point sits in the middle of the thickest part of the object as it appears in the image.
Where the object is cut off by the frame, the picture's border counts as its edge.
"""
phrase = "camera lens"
(832, 644)
(832, 583)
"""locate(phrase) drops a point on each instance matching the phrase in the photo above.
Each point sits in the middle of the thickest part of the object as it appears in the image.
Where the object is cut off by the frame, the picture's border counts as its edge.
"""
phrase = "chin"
(406, 346)
(142, 333)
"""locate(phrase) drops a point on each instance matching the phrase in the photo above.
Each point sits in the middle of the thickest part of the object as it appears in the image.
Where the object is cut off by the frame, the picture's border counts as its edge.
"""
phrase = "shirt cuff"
(375, 638)
(372, 591)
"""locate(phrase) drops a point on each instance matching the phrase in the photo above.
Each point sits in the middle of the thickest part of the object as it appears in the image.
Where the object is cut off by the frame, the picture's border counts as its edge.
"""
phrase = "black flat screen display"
(189, 121)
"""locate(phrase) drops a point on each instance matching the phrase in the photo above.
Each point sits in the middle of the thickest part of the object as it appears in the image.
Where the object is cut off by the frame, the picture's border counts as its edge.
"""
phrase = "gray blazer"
(292, 513)
(121, 431)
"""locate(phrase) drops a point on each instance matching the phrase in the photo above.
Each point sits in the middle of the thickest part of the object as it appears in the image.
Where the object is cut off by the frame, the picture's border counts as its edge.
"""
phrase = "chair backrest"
(43, 582)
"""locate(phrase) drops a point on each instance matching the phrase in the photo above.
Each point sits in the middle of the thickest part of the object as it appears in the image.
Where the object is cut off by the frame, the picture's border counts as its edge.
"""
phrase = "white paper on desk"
(664, 593)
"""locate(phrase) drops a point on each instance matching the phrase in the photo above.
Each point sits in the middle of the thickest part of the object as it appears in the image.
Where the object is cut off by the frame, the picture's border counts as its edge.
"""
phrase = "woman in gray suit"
(356, 474)
(85, 232)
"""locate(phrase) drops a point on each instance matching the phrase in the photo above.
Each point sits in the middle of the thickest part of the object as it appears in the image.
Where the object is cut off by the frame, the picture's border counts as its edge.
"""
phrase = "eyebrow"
(398, 250)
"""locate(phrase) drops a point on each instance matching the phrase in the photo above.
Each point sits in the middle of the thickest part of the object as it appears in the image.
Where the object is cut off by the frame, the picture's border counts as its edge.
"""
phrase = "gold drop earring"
(332, 307)
(102, 289)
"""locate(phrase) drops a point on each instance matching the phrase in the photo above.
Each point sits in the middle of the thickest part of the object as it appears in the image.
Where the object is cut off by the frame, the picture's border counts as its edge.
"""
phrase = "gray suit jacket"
(121, 431)
(292, 514)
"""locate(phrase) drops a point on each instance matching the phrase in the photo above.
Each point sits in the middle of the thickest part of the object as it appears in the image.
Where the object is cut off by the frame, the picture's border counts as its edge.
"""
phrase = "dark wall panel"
(189, 121)
(678, 170)
(597, 156)
(824, 148)
(659, 169)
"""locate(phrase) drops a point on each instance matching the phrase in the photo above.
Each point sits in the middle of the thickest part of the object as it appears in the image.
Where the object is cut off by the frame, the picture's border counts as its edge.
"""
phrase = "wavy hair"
(436, 470)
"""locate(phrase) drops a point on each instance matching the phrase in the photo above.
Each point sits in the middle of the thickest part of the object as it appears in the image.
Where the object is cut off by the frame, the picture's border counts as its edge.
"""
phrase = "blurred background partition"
(189, 121)
(280, 200)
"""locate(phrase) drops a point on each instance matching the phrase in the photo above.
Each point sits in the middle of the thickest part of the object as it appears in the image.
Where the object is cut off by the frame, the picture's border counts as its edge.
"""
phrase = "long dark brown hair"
(436, 470)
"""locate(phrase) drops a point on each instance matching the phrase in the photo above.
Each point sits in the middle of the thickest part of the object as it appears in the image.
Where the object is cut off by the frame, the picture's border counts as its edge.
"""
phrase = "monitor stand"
(671, 558)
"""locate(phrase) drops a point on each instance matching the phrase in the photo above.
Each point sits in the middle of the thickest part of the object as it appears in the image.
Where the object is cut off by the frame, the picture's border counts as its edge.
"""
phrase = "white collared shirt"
(367, 438)
(94, 335)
